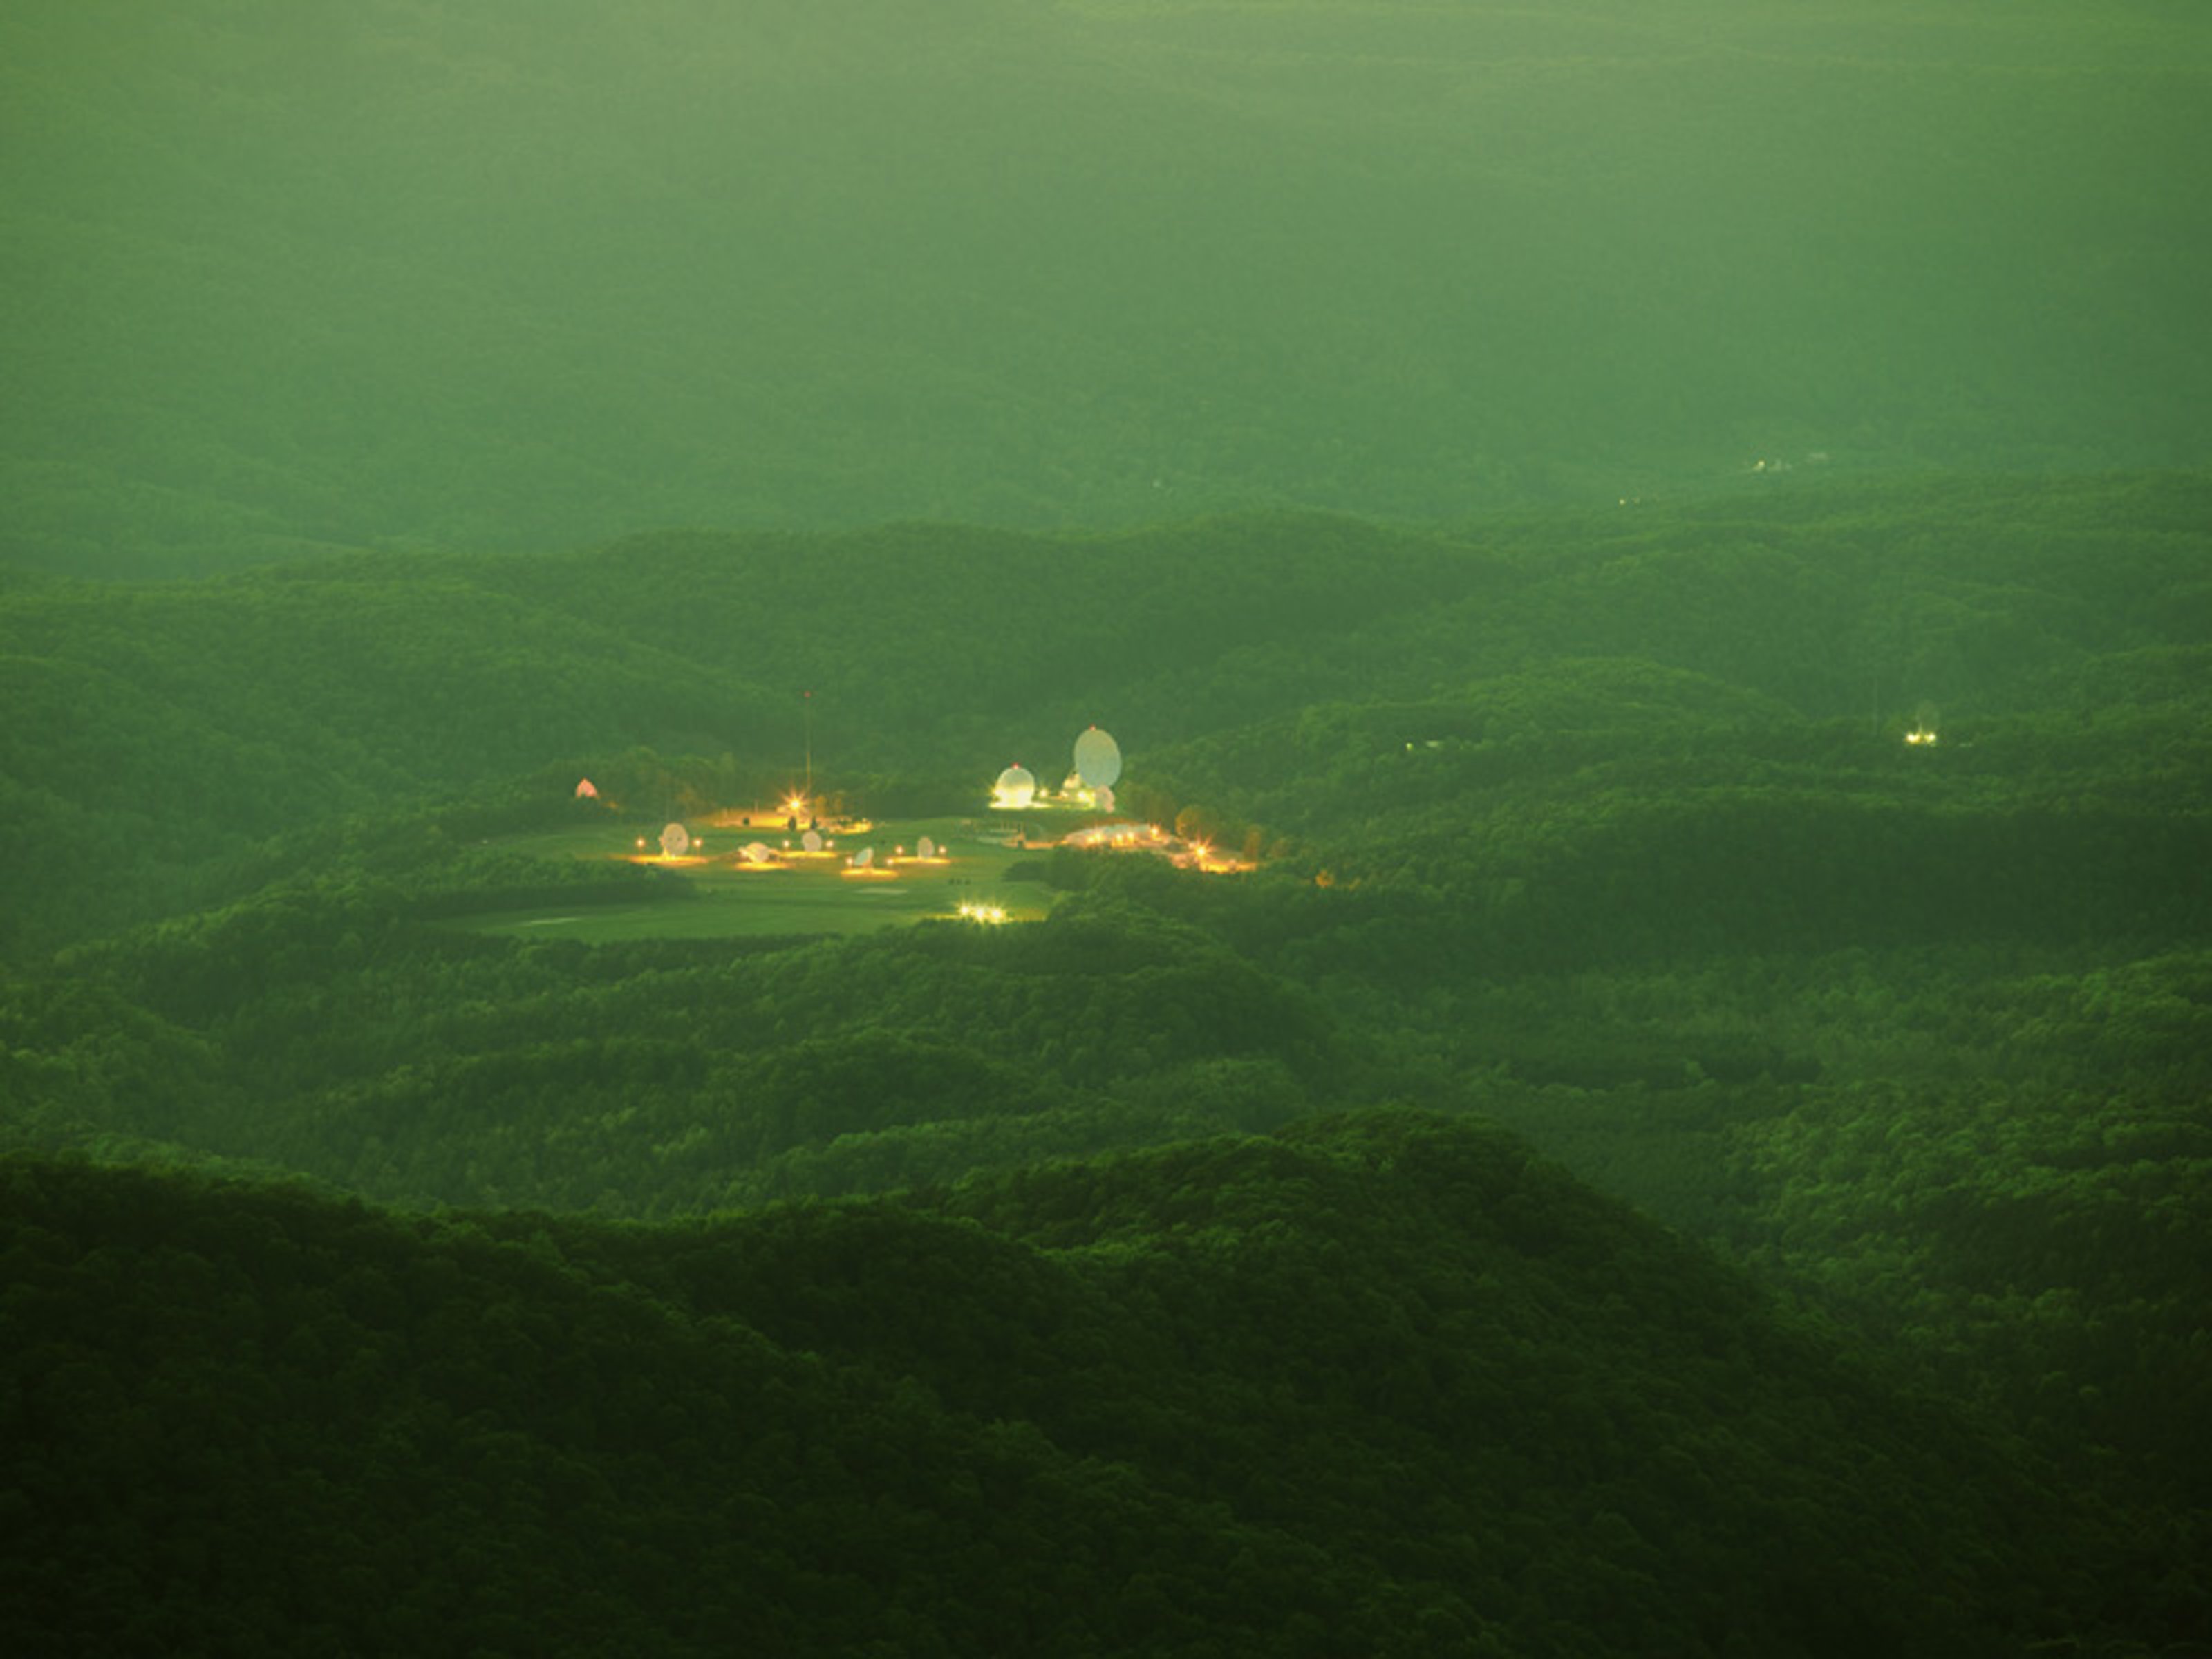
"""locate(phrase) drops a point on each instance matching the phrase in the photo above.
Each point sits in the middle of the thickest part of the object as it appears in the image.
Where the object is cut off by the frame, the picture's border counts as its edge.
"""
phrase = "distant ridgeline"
(1642, 729)
(1825, 873)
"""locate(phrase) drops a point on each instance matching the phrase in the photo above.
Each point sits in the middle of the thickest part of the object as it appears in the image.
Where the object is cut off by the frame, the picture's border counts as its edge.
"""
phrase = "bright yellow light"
(989, 915)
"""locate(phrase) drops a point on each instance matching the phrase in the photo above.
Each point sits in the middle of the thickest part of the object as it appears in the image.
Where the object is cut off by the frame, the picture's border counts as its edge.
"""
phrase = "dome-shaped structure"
(1015, 789)
(1098, 759)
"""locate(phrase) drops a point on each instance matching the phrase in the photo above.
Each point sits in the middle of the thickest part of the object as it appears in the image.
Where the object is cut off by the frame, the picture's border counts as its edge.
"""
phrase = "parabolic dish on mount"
(756, 851)
(811, 841)
(926, 849)
(675, 842)
(1098, 759)
(864, 858)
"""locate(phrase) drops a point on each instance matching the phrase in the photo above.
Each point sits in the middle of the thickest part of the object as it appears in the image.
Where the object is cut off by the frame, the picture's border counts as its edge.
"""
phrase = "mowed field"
(794, 892)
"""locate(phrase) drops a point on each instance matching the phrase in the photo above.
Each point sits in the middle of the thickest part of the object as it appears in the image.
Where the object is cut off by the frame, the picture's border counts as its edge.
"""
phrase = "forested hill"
(289, 275)
(161, 731)
(1384, 1382)
(1381, 699)
(1016, 1245)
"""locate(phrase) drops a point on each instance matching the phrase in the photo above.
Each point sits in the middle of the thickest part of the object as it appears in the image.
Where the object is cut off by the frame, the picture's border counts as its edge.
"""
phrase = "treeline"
(342, 1035)
(1370, 700)
(1608, 832)
(1387, 1380)
(1987, 1175)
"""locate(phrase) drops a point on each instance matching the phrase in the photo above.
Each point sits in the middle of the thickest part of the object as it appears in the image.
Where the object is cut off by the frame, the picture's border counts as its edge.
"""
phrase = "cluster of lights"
(989, 914)
(1919, 734)
(1117, 835)
(1202, 856)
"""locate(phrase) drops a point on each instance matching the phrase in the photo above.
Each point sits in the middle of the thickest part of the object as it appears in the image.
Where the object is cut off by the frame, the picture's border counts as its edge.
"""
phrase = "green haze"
(514, 275)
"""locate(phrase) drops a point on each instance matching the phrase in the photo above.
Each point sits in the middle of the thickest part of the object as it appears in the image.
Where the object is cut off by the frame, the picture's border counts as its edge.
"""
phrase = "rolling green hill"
(1594, 834)
(1454, 712)
(1384, 1381)
(1670, 540)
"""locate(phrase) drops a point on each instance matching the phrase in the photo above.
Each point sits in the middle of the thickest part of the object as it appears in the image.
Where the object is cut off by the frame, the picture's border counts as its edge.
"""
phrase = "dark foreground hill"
(1382, 1385)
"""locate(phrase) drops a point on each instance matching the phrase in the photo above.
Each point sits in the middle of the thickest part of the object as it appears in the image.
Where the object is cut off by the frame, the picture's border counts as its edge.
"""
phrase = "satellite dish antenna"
(1098, 759)
(756, 851)
(866, 857)
(675, 842)
(925, 848)
(811, 841)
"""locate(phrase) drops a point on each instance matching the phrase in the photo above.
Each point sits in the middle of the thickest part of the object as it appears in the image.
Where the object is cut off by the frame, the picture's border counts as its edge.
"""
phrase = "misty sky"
(475, 274)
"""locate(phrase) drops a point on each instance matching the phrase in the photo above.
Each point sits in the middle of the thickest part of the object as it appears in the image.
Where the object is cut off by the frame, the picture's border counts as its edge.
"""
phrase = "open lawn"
(793, 892)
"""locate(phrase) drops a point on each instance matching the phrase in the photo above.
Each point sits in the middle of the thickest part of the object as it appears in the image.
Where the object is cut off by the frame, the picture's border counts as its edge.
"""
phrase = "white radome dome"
(1016, 788)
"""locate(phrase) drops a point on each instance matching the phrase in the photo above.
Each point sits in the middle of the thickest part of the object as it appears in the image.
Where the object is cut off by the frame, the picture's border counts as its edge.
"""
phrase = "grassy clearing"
(793, 893)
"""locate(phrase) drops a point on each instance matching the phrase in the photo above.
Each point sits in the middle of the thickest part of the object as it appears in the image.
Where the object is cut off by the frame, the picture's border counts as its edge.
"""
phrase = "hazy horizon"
(504, 276)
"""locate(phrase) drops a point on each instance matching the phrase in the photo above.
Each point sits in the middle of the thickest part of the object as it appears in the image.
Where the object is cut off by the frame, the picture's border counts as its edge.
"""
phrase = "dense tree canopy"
(1183, 1271)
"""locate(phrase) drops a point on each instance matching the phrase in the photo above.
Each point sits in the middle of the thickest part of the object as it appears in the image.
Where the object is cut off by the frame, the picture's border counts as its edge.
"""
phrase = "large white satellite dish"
(925, 848)
(675, 842)
(1098, 759)
(864, 858)
(756, 851)
(811, 841)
